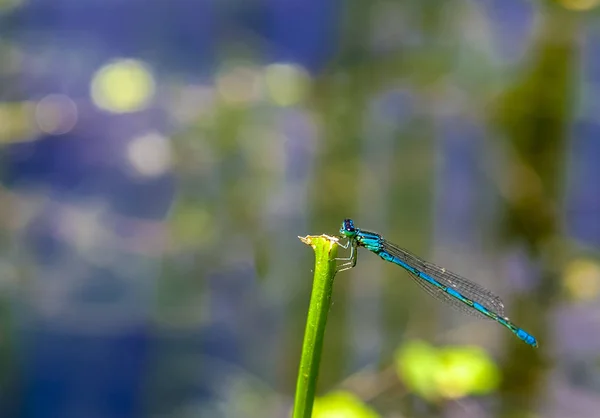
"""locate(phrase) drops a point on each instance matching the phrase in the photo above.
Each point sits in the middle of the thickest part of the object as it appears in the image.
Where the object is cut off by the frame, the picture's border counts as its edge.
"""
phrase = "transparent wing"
(446, 278)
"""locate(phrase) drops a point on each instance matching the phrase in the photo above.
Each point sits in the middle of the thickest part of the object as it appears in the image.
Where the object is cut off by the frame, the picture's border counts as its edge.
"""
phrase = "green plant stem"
(325, 248)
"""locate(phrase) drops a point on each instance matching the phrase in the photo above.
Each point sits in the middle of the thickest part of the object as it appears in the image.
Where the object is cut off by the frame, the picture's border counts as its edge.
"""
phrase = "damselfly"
(442, 284)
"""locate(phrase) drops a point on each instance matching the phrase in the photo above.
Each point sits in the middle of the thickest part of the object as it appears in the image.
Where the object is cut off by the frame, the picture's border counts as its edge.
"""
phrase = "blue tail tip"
(528, 338)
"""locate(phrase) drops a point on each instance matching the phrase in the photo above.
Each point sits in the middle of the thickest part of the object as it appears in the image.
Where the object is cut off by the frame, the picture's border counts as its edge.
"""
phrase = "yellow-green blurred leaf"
(451, 372)
(466, 371)
(342, 405)
(416, 365)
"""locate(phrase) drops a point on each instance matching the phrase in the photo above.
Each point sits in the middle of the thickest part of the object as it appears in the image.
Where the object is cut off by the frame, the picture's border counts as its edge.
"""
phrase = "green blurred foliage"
(447, 372)
(342, 404)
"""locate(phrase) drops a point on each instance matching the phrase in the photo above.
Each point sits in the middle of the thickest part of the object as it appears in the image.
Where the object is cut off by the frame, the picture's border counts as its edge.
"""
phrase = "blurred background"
(159, 159)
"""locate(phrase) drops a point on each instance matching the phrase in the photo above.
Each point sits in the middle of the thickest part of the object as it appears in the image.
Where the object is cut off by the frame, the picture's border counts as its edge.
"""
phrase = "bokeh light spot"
(287, 84)
(579, 5)
(150, 154)
(239, 85)
(56, 114)
(123, 86)
(582, 279)
(191, 103)
(17, 122)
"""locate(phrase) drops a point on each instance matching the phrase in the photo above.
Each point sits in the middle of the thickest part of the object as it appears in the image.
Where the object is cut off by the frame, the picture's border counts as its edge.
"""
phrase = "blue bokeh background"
(149, 264)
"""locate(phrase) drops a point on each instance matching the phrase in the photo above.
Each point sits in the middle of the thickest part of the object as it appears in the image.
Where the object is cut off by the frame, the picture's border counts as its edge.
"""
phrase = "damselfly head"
(348, 229)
